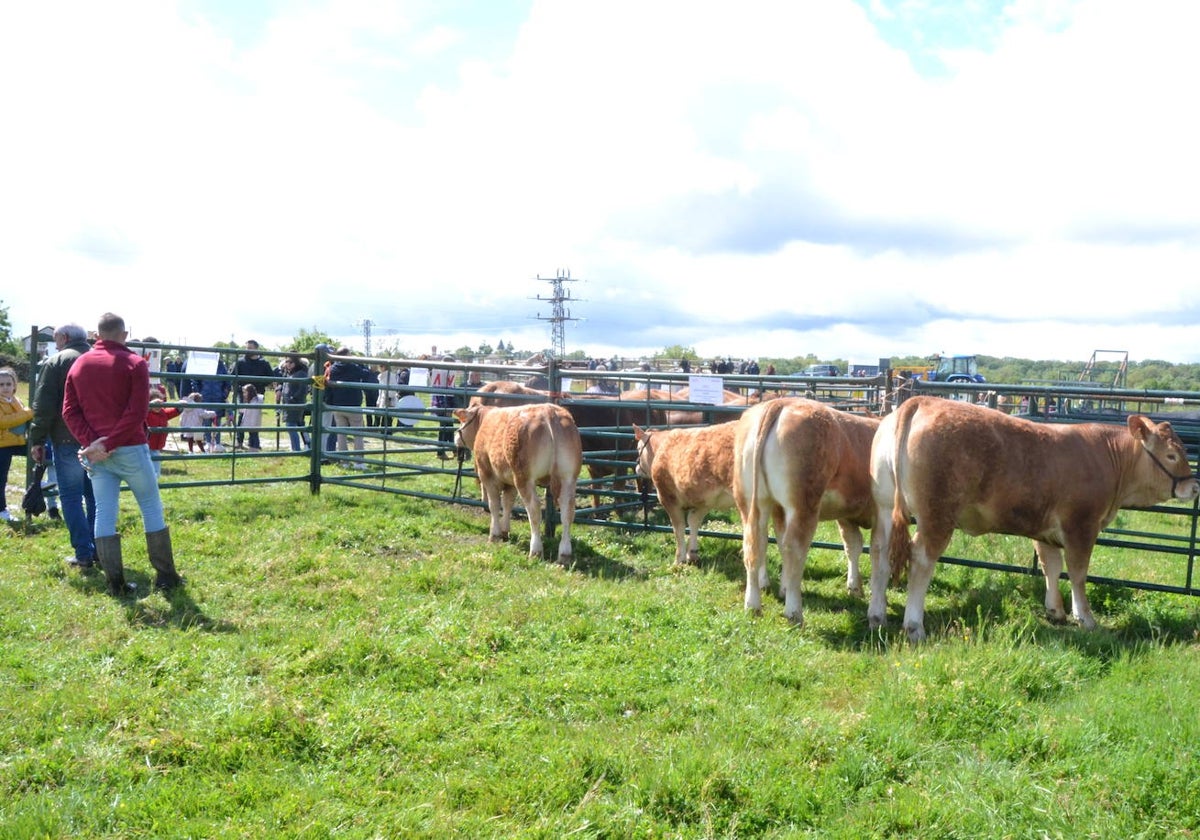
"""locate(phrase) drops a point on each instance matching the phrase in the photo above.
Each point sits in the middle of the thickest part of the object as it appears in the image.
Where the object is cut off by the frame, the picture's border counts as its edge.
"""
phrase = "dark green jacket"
(47, 420)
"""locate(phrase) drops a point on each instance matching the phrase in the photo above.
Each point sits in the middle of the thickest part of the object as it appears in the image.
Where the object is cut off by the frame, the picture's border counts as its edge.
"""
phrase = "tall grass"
(361, 665)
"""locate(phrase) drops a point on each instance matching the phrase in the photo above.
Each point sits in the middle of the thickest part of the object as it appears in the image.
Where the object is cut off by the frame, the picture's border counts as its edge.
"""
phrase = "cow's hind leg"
(566, 513)
(1052, 562)
(881, 569)
(695, 518)
(799, 529)
(754, 557)
(927, 547)
(533, 510)
(852, 539)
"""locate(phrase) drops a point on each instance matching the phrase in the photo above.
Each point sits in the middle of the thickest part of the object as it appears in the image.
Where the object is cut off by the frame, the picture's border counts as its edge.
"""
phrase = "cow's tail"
(900, 545)
(555, 478)
(766, 422)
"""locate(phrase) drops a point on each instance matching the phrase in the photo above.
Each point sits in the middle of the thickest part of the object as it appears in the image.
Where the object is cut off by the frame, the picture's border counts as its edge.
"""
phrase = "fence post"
(316, 448)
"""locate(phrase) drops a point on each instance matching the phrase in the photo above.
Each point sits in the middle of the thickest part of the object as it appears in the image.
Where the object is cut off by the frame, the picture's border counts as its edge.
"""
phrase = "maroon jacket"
(107, 394)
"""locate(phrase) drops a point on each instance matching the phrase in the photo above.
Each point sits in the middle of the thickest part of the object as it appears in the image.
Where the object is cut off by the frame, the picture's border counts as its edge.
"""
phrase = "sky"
(851, 179)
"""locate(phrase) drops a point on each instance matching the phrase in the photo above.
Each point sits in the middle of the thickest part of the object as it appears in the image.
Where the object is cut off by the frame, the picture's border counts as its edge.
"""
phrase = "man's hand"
(38, 453)
(96, 451)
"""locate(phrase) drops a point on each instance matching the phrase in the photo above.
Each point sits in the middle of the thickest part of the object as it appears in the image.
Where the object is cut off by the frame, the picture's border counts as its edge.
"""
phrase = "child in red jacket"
(157, 418)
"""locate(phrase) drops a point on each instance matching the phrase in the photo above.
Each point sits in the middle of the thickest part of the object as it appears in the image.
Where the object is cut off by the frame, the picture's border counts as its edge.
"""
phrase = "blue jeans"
(132, 465)
(75, 499)
(295, 420)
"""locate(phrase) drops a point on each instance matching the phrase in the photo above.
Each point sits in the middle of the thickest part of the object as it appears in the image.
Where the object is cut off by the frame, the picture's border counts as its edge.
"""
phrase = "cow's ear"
(638, 432)
(460, 414)
(1140, 427)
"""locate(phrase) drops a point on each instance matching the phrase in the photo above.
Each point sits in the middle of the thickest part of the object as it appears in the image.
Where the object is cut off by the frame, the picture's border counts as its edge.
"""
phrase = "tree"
(678, 352)
(306, 341)
(8, 345)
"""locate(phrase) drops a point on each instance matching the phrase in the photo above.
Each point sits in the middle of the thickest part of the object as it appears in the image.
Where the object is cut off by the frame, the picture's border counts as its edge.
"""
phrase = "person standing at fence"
(14, 420)
(159, 415)
(213, 391)
(249, 418)
(49, 438)
(191, 417)
(105, 402)
(344, 398)
(252, 364)
(293, 396)
(443, 404)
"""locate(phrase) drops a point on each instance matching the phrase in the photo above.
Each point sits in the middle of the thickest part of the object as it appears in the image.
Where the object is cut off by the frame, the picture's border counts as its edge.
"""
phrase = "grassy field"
(362, 665)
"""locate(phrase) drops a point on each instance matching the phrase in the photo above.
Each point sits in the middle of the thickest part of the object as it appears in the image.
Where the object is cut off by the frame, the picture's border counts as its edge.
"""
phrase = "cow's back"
(799, 450)
(695, 466)
(518, 443)
(980, 470)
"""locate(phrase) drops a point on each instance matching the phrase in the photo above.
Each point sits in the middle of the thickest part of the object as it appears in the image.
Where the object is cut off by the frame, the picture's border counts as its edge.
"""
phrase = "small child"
(191, 418)
(250, 418)
(13, 419)
(157, 418)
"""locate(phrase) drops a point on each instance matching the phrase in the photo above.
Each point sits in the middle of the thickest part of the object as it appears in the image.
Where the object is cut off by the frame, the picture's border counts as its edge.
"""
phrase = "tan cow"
(798, 462)
(692, 471)
(953, 465)
(518, 449)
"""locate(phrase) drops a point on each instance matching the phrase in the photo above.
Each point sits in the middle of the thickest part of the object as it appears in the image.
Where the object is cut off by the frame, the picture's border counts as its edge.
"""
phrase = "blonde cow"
(950, 464)
(517, 449)
(798, 462)
(692, 471)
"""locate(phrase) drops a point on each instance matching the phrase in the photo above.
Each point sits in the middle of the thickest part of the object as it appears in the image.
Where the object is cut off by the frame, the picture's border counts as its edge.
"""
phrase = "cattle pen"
(404, 445)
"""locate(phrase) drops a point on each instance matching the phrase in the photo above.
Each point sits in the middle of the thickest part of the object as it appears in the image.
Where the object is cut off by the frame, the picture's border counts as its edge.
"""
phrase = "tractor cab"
(956, 369)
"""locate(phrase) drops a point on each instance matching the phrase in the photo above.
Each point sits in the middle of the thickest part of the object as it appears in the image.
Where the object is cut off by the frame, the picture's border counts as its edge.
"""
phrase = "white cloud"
(726, 170)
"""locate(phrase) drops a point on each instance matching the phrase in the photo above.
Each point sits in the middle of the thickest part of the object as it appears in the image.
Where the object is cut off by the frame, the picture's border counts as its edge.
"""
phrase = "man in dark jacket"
(251, 364)
(49, 436)
(293, 395)
(343, 398)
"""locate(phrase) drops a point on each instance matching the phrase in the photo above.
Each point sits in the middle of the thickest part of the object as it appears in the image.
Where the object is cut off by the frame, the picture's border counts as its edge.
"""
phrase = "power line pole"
(366, 324)
(560, 314)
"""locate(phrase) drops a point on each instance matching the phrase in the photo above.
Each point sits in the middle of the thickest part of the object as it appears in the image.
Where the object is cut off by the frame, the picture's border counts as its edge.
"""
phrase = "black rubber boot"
(162, 558)
(108, 552)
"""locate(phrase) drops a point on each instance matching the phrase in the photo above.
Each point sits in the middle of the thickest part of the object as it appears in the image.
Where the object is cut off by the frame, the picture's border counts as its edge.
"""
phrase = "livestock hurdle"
(402, 459)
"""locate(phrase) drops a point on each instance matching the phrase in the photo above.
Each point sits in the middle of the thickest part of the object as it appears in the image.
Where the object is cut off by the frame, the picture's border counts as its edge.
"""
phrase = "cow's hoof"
(856, 591)
(565, 560)
(693, 558)
(877, 622)
(797, 619)
(916, 633)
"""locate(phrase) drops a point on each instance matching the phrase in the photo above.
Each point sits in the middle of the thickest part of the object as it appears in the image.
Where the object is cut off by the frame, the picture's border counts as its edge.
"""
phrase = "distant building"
(45, 342)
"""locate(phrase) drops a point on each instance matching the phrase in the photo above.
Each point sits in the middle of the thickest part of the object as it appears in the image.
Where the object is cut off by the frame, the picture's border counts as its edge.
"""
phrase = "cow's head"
(645, 450)
(1165, 448)
(468, 425)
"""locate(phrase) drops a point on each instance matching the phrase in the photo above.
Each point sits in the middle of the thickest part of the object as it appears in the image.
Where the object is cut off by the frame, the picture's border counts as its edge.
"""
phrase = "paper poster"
(202, 363)
(441, 378)
(709, 390)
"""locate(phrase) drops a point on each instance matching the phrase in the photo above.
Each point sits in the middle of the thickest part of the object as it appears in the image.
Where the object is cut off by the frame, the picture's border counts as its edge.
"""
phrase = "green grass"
(367, 665)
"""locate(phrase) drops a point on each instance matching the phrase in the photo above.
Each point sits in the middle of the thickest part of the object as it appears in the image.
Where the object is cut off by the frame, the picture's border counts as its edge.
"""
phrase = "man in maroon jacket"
(105, 401)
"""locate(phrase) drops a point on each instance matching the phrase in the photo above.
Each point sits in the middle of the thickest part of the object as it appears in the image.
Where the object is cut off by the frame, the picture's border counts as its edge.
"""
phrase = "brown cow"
(692, 471)
(517, 449)
(956, 465)
(798, 462)
(596, 416)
